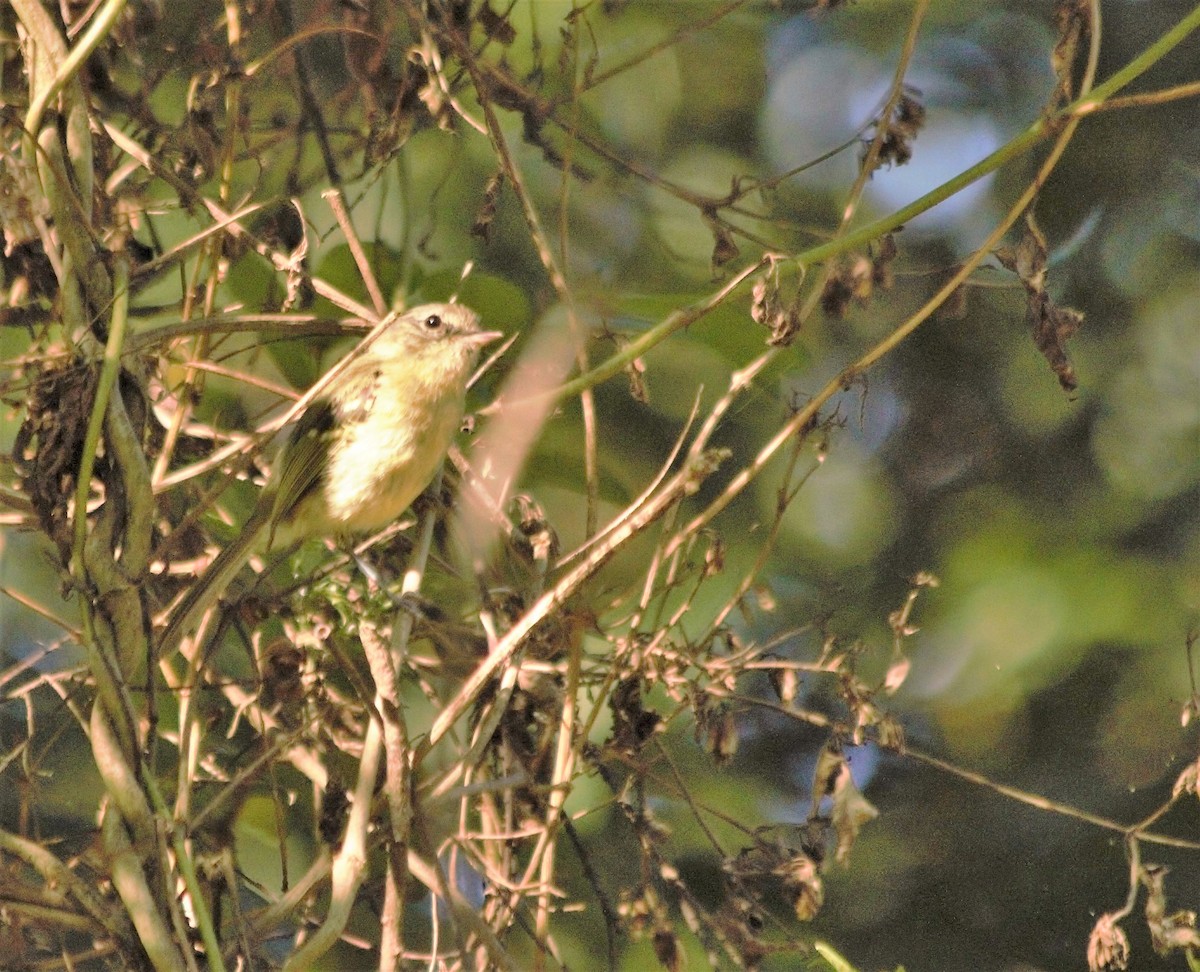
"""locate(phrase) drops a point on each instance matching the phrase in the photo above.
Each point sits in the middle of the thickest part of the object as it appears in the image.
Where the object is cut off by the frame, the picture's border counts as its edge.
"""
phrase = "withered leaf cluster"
(1074, 22)
(768, 308)
(908, 118)
(1052, 326)
(49, 443)
(855, 278)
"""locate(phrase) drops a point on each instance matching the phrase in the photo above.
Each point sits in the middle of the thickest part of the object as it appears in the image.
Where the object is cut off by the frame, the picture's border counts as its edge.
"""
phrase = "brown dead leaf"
(896, 147)
(764, 299)
(1028, 258)
(482, 227)
(1168, 932)
(1108, 946)
(48, 445)
(724, 247)
(830, 763)
(1074, 21)
(721, 735)
(633, 724)
(850, 811)
(636, 373)
(1052, 325)
(803, 883)
(883, 255)
(768, 308)
(850, 280)
(666, 949)
(498, 28)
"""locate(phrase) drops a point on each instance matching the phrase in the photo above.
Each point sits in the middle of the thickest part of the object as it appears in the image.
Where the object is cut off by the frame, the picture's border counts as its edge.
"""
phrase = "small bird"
(362, 451)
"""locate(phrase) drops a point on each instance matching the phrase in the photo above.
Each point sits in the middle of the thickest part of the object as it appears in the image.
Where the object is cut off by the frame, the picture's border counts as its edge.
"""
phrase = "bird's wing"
(303, 460)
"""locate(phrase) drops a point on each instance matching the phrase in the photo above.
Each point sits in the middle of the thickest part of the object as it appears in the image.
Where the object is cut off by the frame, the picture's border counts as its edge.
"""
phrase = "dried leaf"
(497, 27)
(767, 308)
(721, 735)
(889, 733)
(802, 881)
(1052, 325)
(1175, 931)
(1074, 20)
(1187, 781)
(633, 724)
(482, 227)
(850, 811)
(906, 121)
(666, 949)
(49, 442)
(882, 258)
(724, 248)
(1168, 932)
(1108, 946)
(335, 805)
(21, 202)
(896, 674)
(1028, 258)
(714, 558)
(282, 671)
(850, 280)
(636, 371)
(830, 763)
(784, 327)
(764, 299)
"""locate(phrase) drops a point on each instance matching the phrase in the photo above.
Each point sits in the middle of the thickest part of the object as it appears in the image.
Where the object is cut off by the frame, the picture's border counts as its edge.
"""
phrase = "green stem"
(109, 370)
(101, 24)
(675, 321)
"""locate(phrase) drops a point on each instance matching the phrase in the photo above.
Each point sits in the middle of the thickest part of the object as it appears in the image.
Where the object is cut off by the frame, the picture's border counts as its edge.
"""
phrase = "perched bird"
(363, 450)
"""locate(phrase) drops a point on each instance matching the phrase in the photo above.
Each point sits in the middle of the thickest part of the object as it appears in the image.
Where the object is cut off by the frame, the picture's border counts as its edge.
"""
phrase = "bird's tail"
(215, 579)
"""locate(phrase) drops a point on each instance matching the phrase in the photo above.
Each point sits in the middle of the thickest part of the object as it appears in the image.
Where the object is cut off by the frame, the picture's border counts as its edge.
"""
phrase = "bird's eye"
(433, 323)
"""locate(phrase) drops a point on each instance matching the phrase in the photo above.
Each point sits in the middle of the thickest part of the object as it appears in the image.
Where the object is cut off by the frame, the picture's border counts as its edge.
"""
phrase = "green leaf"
(501, 304)
(339, 269)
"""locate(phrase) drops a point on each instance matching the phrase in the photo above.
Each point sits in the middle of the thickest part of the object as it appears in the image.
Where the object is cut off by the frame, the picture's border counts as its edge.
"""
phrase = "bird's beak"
(483, 338)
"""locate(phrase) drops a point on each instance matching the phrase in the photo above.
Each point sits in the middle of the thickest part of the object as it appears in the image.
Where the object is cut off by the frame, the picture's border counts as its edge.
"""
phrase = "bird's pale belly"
(371, 483)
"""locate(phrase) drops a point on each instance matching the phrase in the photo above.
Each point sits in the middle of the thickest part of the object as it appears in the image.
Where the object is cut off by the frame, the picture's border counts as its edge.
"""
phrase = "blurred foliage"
(662, 149)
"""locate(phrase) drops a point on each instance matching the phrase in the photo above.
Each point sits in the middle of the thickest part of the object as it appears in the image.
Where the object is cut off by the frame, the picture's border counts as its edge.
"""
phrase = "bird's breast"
(384, 461)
